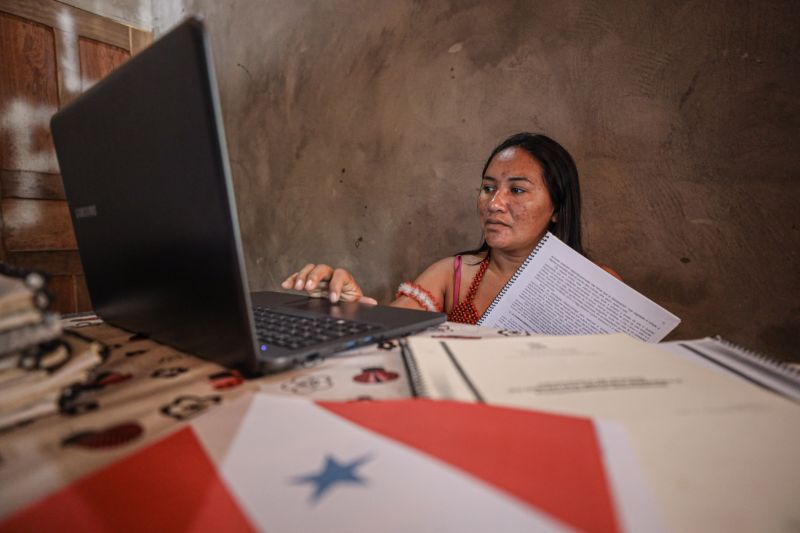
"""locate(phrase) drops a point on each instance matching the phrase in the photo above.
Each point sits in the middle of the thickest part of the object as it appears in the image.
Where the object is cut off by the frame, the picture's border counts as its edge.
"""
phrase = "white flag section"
(294, 465)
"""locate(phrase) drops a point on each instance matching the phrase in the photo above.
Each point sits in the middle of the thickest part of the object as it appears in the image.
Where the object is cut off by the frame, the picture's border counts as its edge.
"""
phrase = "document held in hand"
(557, 291)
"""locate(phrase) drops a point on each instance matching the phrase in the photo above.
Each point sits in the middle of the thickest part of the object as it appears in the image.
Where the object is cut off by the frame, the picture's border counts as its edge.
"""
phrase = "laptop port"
(311, 360)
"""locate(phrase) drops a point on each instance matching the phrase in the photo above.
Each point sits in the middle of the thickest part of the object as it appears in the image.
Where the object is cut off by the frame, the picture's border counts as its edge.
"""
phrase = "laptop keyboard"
(294, 332)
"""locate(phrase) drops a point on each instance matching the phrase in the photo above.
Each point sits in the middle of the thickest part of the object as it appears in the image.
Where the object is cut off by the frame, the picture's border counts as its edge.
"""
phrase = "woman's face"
(514, 206)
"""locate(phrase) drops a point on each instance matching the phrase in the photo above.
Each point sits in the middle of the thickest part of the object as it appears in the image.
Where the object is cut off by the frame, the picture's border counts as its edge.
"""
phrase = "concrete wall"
(357, 131)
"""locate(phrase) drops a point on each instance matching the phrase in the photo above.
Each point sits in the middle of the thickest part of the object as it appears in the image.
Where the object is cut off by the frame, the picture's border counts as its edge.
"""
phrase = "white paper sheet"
(557, 291)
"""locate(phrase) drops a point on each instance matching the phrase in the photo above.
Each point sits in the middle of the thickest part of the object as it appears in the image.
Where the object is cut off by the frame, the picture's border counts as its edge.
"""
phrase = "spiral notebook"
(557, 291)
(753, 366)
(607, 375)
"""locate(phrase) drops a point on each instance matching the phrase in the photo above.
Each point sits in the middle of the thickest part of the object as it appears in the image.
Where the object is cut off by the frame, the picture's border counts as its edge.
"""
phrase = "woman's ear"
(554, 218)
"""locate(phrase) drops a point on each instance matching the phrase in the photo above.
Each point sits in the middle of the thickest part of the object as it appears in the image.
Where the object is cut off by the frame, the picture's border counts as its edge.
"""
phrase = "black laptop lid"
(142, 155)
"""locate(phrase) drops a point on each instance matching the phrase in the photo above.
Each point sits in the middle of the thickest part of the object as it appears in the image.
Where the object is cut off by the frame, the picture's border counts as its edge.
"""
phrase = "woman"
(529, 186)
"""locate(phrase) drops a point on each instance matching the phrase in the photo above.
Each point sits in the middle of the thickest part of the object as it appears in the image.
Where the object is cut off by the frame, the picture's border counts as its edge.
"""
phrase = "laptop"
(145, 170)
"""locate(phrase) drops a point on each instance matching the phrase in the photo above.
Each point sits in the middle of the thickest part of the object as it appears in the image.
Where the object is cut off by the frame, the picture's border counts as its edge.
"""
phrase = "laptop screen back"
(143, 159)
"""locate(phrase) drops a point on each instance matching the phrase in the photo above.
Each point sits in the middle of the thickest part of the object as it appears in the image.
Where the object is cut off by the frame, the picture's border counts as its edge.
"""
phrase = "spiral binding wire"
(516, 275)
(763, 360)
(414, 375)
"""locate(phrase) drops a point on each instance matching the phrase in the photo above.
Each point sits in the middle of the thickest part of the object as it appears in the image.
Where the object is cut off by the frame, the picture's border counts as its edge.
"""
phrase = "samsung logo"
(86, 211)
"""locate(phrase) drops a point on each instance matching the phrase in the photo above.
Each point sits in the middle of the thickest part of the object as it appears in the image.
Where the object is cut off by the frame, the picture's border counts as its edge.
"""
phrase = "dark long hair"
(561, 179)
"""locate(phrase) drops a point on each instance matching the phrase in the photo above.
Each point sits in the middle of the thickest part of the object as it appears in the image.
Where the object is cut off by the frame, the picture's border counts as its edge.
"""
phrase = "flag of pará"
(277, 464)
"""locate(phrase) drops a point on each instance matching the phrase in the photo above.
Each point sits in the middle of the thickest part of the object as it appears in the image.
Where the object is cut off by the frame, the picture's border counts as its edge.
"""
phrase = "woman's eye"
(517, 190)
(487, 188)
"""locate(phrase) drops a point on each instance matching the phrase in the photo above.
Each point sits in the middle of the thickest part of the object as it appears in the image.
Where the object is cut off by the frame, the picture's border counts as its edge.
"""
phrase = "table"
(145, 390)
(164, 440)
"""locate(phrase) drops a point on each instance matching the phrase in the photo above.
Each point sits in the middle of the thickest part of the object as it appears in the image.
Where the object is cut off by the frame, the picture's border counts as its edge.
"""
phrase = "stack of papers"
(36, 363)
(24, 317)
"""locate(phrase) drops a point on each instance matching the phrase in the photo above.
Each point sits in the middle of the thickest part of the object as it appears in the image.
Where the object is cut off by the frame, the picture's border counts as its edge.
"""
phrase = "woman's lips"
(496, 223)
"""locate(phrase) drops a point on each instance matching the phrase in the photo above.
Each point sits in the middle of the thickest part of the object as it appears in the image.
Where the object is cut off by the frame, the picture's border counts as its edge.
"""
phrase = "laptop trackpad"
(317, 306)
(305, 304)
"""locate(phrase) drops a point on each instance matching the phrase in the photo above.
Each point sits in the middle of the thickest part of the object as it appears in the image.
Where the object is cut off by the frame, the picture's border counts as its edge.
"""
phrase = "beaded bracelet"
(418, 294)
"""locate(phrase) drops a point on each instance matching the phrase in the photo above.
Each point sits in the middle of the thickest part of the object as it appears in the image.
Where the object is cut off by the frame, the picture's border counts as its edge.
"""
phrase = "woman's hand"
(323, 281)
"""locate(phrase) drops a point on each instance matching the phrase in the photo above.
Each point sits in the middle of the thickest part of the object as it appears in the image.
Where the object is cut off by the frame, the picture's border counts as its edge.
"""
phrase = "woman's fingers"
(297, 281)
(319, 273)
(302, 276)
(288, 283)
(308, 277)
(341, 284)
(320, 291)
(321, 281)
(343, 287)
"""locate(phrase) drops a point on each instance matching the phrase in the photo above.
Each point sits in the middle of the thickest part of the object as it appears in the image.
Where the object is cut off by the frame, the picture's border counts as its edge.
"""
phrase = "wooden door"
(49, 53)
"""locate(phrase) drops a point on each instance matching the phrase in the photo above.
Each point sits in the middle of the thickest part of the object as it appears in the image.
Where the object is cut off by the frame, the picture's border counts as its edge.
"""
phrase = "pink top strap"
(456, 279)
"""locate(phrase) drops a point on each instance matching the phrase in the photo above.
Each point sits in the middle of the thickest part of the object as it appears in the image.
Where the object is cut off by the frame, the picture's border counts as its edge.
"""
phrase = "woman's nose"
(498, 201)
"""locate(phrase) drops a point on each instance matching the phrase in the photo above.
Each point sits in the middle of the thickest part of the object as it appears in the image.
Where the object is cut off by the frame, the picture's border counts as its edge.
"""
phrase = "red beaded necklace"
(464, 311)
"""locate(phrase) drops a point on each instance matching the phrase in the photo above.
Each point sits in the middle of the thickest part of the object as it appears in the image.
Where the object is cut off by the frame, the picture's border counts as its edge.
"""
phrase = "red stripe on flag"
(169, 486)
(552, 462)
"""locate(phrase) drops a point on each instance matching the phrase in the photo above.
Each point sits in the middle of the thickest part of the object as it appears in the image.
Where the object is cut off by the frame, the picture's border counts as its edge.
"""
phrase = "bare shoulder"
(437, 273)
(443, 268)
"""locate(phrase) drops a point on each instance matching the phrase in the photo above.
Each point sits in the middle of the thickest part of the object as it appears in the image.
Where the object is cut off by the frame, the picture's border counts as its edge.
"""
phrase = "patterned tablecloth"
(145, 390)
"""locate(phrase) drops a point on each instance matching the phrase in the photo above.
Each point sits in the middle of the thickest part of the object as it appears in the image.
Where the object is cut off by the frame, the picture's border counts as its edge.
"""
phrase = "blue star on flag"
(333, 473)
